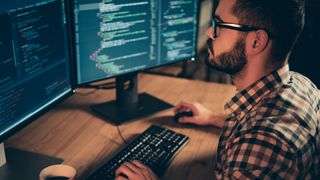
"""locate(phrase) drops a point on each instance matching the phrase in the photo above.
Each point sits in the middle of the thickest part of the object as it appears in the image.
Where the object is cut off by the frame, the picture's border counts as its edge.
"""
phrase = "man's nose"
(209, 33)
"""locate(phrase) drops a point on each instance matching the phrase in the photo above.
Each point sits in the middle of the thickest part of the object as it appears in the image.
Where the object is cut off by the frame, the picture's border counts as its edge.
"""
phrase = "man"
(271, 130)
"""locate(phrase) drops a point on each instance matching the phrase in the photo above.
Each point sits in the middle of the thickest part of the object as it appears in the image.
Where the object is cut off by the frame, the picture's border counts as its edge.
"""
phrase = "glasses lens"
(214, 28)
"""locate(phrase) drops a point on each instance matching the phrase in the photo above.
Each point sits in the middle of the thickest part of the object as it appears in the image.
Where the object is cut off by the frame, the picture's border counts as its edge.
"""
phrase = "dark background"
(305, 57)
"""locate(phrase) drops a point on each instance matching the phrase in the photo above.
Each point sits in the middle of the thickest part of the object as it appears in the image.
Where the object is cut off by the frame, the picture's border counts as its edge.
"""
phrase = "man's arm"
(259, 155)
(201, 115)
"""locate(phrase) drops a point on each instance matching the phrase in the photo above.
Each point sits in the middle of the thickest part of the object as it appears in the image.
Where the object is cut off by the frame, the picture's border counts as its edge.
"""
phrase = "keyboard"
(155, 148)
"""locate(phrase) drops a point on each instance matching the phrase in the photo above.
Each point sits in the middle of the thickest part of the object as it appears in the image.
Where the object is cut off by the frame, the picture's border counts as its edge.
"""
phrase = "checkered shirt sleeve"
(273, 130)
(259, 155)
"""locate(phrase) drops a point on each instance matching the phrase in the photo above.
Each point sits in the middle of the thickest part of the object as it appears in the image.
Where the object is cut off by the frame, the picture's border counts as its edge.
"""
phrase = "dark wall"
(305, 58)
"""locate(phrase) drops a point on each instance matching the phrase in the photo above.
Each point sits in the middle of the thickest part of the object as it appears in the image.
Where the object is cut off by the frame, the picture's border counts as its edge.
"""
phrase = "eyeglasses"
(237, 27)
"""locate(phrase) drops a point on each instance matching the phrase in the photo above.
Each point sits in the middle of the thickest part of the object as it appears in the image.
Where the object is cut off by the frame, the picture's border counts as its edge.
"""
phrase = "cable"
(108, 85)
(88, 93)
(119, 132)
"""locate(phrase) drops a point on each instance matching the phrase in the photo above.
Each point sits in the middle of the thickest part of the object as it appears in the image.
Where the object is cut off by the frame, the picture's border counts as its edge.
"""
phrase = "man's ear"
(257, 42)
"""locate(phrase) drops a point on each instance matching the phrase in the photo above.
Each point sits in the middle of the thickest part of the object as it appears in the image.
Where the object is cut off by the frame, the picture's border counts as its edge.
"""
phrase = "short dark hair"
(283, 18)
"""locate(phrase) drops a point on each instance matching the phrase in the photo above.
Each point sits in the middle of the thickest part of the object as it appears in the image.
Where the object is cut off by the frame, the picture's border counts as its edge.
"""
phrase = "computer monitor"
(35, 73)
(118, 38)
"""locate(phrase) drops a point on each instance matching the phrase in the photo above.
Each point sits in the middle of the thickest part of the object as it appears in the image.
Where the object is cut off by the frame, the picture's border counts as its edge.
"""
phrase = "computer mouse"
(182, 114)
(56, 178)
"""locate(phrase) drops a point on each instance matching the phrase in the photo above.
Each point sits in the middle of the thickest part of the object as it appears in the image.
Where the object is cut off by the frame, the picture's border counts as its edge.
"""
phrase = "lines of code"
(122, 26)
(7, 63)
(116, 37)
(36, 38)
(34, 67)
(178, 28)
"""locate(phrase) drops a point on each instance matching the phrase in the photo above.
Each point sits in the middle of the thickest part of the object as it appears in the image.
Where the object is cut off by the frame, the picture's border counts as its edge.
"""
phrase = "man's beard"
(231, 62)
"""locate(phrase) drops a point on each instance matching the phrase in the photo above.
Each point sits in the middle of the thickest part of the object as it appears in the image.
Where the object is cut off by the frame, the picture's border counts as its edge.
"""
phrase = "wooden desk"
(72, 132)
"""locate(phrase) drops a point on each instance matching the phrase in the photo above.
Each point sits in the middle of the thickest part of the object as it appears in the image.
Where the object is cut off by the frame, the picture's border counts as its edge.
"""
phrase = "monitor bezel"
(14, 130)
(72, 33)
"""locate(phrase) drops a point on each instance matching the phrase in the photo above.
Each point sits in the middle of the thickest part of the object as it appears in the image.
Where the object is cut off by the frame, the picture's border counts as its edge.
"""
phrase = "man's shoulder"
(296, 102)
(302, 80)
(287, 127)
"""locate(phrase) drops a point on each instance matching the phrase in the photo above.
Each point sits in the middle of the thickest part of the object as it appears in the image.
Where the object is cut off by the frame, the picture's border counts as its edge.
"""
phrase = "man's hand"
(134, 170)
(201, 115)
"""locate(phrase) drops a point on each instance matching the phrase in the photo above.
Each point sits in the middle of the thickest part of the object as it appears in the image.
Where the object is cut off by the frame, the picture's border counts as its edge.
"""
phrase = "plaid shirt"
(272, 131)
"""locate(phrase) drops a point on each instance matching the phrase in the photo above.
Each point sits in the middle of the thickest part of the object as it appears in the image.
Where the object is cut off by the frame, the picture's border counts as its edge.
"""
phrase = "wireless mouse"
(182, 114)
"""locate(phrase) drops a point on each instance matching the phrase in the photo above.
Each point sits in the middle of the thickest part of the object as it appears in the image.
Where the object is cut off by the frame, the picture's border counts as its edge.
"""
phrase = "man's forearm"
(218, 120)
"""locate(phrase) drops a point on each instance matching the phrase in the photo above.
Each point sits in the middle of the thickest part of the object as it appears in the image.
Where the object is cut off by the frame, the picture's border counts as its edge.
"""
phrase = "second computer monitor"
(118, 38)
(35, 74)
(115, 37)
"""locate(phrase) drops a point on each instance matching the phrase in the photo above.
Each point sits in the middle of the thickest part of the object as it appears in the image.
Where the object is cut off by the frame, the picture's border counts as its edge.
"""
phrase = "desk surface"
(72, 132)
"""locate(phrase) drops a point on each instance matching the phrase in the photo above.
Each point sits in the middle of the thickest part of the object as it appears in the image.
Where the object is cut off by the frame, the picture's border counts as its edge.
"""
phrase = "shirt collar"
(245, 100)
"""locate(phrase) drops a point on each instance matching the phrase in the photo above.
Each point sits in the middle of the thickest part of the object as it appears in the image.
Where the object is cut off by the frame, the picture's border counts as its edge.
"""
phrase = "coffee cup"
(58, 172)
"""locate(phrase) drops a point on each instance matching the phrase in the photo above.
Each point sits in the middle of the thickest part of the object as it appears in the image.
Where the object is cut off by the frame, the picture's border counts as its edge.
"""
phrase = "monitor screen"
(34, 61)
(115, 37)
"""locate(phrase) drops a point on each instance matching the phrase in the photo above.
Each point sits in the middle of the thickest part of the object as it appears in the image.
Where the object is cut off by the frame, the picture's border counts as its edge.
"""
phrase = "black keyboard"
(155, 148)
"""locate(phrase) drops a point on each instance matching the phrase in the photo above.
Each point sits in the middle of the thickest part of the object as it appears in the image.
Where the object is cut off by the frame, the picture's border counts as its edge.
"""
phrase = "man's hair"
(282, 18)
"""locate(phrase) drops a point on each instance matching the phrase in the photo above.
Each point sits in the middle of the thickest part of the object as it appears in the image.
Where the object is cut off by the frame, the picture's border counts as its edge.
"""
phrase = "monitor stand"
(129, 104)
(24, 165)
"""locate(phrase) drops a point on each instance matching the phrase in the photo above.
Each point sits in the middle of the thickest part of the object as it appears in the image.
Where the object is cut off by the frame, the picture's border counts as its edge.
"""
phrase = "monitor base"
(25, 165)
(118, 114)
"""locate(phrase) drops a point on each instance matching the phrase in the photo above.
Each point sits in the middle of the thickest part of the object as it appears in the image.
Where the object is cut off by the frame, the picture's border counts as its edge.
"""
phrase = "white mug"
(58, 170)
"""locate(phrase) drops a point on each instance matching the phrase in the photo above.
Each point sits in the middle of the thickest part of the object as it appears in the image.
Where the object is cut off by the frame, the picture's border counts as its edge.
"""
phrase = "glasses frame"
(237, 27)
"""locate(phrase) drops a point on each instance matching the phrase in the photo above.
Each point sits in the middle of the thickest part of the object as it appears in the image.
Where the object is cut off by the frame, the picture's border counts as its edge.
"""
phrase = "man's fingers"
(179, 107)
(138, 164)
(121, 178)
(185, 106)
(186, 120)
(124, 169)
(134, 170)
(131, 166)
(146, 170)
